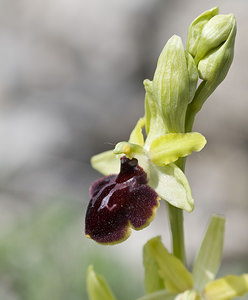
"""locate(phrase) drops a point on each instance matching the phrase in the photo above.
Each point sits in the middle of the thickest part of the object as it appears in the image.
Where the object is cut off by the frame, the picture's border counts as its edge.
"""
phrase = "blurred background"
(71, 76)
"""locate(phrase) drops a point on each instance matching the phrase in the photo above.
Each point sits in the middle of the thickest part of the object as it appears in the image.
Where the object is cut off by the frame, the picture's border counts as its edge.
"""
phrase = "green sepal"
(209, 256)
(159, 295)
(226, 288)
(106, 163)
(176, 277)
(171, 185)
(136, 136)
(195, 29)
(152, 280)
(170, 147)
(97, 286)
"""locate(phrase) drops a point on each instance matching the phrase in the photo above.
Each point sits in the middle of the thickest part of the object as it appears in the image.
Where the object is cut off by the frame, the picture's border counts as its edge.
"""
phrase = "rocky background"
(71, 77)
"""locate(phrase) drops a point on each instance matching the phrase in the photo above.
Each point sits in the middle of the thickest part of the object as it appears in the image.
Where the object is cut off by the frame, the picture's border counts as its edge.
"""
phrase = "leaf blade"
(209, 256)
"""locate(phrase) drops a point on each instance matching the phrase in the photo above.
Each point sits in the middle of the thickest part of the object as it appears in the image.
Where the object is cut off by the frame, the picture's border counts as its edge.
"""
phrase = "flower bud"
(211, 39)
(216, 49)
(195, 29)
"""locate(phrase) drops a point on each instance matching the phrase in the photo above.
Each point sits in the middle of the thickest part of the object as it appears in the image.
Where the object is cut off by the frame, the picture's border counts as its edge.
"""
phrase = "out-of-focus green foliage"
(45, 256)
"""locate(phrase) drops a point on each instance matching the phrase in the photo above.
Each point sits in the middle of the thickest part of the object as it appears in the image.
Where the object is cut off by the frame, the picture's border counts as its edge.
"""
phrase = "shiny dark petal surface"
(118, 202)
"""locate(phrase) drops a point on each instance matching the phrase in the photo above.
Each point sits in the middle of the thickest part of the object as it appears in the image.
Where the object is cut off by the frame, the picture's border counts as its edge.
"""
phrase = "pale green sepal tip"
(152, 280)
(226, 288)
(171, 185)
(136, 136)
(209, 256)
(97, 286)
(195, 28)
(176, 277)
(159, 295)
(106, 163)
(170, 147)
(189, 295)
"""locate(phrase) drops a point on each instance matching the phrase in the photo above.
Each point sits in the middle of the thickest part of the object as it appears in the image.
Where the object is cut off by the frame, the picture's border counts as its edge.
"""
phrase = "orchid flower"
(120, 201)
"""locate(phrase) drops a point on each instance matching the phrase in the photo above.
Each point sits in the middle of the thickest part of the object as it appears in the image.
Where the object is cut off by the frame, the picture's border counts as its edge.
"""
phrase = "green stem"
(177, 232)
(176, 224)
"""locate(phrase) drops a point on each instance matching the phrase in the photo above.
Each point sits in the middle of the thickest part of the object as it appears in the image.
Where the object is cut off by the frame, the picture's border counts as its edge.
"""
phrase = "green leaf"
(152, 281)
(136, 136)
(160, 295)
(171, 185)
(209, 256)
(176, 277)
(227, 287)
(106, 163)
(170, 147)
(97, 287)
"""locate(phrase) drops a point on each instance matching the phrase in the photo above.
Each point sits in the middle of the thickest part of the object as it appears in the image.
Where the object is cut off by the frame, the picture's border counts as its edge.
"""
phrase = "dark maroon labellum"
(118, 202)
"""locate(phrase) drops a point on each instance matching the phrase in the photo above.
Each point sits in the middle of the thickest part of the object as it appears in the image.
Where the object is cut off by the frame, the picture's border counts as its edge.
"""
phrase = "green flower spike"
(211, 39)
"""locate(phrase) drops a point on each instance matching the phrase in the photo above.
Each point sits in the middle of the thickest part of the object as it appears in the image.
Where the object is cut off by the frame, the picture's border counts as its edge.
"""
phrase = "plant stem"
(177, 232)
(176, 224)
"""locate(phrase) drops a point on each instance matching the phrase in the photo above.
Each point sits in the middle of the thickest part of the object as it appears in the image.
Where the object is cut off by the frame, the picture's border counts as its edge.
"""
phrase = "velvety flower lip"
(119, 202)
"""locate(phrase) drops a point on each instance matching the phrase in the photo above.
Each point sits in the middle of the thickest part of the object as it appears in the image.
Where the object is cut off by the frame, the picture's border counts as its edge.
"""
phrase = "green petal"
(209, 256)
(160, 295)
(171, 185)
(170, 147)
(152, 281)
(136, 136)
(97, 286)
(106, 163)
(227, 288)
(176, 277)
